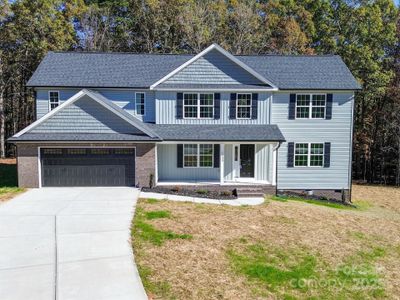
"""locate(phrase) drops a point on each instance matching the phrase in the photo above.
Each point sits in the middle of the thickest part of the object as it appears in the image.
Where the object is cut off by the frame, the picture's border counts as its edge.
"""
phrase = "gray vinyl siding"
(213, 68)
(168, 170)
(166, 110)
(123, 98)
(85, 116)
(337, 131)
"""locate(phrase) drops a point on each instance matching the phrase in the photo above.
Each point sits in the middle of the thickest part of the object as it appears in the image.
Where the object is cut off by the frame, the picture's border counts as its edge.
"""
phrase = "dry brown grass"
(200, 269)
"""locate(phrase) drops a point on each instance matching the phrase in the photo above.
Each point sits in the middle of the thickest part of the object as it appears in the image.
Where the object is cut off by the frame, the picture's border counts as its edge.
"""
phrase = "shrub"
(202, 192)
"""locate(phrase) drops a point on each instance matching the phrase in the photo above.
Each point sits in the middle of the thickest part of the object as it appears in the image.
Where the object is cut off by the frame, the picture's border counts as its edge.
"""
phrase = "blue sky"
(397, 2)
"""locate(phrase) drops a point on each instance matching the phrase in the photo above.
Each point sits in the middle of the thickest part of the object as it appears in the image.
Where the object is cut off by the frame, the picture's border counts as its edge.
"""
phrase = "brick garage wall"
(28, 172)
(27, 166)
(145, 164)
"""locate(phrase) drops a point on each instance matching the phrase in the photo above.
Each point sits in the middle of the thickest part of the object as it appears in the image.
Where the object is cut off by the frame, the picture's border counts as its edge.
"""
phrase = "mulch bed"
(200, 192)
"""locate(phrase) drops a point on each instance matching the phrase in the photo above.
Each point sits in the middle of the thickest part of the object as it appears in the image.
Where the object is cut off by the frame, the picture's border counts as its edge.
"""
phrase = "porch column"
(221, 163)
(156, 165)
(274, 162)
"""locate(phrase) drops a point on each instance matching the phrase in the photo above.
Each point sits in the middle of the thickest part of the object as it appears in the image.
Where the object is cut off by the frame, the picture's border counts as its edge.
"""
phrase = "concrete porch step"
(247, 192)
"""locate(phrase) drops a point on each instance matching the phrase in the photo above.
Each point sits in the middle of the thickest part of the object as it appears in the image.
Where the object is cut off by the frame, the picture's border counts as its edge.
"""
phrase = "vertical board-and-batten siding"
(337, 131)
(124, 98)
(168, 170)
(263, 160)
(166, 110)
(213, 68)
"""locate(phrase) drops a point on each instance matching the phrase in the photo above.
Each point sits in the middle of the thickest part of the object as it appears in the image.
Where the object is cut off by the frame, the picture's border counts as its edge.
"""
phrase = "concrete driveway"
(68, 243)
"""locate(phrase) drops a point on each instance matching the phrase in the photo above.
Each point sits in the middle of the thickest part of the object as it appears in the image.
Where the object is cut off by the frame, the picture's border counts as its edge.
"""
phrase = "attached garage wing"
(87, 166)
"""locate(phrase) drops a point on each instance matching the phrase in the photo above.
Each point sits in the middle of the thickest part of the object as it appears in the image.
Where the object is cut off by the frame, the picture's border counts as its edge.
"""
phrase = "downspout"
(276, 166)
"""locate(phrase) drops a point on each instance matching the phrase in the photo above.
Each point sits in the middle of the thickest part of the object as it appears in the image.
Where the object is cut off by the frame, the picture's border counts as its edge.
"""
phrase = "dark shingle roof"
(179, 132)
(38, 137)
(212, 86)
(176, 132)
(127, 70)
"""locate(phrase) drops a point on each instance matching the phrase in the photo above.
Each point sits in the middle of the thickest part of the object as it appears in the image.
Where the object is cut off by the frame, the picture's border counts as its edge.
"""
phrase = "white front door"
(236, 161)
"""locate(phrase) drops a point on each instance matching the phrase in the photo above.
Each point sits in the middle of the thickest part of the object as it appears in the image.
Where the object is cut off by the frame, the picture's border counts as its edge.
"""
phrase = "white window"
(198, 155)
(310, 106)
(139, 103)
(198, 105)
(54, 99)
(309, 155)
(243, 106)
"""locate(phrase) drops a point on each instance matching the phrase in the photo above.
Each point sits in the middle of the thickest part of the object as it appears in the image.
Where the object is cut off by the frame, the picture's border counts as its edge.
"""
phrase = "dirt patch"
(200, 269)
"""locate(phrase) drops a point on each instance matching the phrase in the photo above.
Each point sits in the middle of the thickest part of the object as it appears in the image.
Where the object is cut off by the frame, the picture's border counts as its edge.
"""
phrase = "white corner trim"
(222, 51)
(39, 168)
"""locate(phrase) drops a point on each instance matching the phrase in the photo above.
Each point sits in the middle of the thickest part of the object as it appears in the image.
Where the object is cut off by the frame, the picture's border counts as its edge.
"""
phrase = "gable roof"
(100, 99)
(215, 47)
(128, 70)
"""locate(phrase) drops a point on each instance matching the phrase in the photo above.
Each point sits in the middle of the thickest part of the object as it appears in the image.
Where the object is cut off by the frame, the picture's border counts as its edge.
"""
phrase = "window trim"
(198, 106)
(310, 106)
(58, 96)
(309, 155)
(198, 156)
(237, 105)
(144, 104)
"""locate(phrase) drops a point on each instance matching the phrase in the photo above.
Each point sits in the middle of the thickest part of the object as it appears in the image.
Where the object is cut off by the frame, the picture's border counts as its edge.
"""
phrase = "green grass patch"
(152, 200)
(147, 232)
(292, 273)
(157, 214)
(7, 190)
(161, 288)
(312, 201)
(8, 175)
(362, 204)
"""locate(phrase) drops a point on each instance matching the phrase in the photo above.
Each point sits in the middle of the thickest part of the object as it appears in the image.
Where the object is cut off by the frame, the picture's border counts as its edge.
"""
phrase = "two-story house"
(110, 119)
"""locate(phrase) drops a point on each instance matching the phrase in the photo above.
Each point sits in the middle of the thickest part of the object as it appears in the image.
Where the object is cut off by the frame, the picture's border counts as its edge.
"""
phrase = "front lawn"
(279, 250)
(8, 179)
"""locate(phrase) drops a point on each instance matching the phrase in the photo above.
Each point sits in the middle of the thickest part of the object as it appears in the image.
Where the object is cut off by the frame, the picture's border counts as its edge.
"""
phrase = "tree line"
(365, 33)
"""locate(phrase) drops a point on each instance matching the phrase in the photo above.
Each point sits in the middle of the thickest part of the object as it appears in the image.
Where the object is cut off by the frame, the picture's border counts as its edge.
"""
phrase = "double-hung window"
(310, 106)
(309, 155)
(54, 99)
(139, 103)
(198, 155)
(198, 105)
(243, 106)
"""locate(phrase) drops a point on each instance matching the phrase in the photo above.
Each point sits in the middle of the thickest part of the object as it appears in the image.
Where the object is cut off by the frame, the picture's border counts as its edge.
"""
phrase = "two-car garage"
(87, 166)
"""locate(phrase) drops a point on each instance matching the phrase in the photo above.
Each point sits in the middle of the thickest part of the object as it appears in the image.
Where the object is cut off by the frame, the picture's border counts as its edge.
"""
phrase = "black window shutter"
(329, 99)
(290, 157)
(232, 106)
(327, 155)
(217, 105)
(179, 105)
(292, 107)
(254, 106)
(179, 157)
(216, 155)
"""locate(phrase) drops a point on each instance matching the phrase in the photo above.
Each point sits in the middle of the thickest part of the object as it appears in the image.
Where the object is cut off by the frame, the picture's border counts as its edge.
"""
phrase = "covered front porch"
(211, 164)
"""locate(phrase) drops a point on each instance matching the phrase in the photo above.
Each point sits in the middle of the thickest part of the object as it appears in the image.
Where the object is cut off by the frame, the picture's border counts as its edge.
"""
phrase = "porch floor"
(211, 183)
